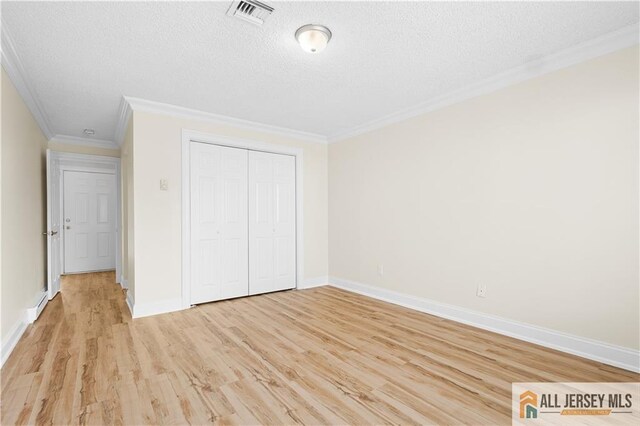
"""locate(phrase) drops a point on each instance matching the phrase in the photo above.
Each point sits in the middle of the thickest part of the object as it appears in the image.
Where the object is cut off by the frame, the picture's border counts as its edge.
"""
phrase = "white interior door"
(272, 222)
(53, 227)
(89, 221)
(219, 231)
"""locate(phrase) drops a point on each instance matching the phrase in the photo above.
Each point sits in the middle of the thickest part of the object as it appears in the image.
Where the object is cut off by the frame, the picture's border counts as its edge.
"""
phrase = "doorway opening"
(83, 216)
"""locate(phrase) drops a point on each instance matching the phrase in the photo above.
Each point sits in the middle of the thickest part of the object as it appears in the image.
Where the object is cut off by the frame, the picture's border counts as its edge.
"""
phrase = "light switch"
(164, 185)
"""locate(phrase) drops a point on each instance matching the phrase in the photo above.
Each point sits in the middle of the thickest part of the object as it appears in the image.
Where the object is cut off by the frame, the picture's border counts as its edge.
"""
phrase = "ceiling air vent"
(250, 10)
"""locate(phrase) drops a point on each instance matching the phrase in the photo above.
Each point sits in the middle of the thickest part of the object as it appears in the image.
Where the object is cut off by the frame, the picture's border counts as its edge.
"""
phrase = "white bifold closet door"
(219, 230)
(272, 222)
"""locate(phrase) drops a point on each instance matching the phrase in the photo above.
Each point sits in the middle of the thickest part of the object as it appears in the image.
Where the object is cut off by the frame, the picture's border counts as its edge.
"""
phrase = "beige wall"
(126, 170)
(23, 211)
(81, 149)
(531, 190)
(157, 141)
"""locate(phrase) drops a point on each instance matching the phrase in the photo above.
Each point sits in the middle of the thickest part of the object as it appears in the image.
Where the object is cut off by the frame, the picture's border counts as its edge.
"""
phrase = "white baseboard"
(618, 356)
(155, 308)
(130, 302)
(124, 283)
(12, 339)
(314, 282)
(41, 302)
(29, 315)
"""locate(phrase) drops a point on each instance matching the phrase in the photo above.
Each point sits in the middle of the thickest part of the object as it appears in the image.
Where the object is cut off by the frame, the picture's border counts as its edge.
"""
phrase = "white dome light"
(313, 38)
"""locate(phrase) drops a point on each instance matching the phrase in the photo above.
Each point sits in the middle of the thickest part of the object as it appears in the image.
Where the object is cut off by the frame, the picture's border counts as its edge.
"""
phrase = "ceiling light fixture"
(89, 132)
(313, 38)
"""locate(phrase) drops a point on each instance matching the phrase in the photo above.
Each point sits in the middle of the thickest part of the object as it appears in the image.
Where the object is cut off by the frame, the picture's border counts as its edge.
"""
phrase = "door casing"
(189, 136)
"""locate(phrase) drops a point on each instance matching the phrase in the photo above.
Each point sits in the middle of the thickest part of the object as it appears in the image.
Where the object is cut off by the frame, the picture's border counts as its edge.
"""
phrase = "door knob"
(52, 233)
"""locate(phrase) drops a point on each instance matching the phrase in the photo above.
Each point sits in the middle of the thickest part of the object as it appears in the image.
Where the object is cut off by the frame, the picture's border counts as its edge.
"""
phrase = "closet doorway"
(241, 218)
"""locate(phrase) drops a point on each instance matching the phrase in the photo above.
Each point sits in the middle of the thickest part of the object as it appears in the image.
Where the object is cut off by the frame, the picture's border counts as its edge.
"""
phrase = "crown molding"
(74, 140)
(124, 115)
(18, 75)
(608, 43)
(611, 42)
(143, 105)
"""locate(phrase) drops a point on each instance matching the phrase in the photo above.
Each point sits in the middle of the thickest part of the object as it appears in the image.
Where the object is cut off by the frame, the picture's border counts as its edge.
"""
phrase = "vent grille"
(250, 11)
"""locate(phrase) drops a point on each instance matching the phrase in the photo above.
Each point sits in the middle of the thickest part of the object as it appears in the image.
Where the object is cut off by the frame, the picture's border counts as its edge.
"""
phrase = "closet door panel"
(260, 223)
(205, 241)
(219, 231)
(234, 230)
(272, 233)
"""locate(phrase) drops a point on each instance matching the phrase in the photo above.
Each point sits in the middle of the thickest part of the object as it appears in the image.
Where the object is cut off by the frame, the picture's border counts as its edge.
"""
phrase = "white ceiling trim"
(620, 39)
(18, 75)
(608, 43)
(124, 115)
(143, 105)
(74, 140)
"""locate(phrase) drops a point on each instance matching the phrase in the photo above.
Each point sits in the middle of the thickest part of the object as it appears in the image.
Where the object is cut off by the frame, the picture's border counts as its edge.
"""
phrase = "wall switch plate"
(381, 269)
(164, 185)
(482, 290)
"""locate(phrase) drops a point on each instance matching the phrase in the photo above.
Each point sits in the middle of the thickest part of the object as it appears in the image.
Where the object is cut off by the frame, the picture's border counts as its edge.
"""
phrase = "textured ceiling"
(82, 57)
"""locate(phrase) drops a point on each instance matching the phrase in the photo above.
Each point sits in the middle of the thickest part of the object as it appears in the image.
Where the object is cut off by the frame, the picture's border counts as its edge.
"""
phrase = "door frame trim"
(189, 136)
(65, 161)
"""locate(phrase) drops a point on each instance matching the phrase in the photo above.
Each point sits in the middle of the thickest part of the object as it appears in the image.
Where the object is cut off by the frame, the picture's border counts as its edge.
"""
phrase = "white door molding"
(189, 136)
(53, 231)
(64, 161)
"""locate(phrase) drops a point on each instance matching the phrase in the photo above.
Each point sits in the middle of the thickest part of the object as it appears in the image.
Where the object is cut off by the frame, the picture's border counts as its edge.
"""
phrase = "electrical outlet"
(482, 290)
(381, 269)
(164, 185)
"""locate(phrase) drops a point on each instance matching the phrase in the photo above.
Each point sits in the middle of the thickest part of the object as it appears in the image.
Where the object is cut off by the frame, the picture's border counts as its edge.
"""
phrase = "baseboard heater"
(41, 302)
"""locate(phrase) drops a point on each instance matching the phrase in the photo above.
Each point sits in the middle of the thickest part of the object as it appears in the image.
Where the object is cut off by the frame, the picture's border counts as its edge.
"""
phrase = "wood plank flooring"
(318, 356)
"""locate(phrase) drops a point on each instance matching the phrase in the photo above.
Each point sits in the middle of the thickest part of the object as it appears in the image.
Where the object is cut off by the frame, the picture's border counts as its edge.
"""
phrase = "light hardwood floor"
(318, 356)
